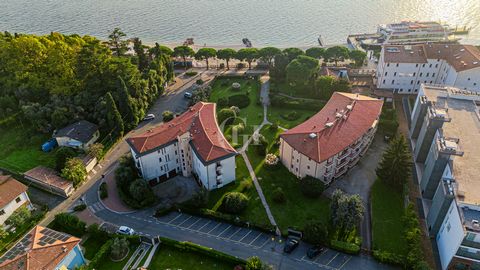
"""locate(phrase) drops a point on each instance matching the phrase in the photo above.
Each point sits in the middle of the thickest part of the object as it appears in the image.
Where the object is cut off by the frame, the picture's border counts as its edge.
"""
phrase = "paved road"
(237, 241)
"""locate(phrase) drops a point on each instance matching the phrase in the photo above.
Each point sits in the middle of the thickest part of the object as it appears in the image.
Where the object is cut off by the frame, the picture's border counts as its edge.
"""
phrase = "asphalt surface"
(237, 241)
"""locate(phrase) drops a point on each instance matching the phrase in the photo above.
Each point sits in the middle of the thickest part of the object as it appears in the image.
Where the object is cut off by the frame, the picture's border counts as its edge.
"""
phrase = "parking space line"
(213, 228)
(194, 223)
(333, 258)
(235, 232)
(184, 221)
(254, 239)
(170, 222)
(203, 226)
(245, 236)
(264, 243)
(225, 230)
(349, 258)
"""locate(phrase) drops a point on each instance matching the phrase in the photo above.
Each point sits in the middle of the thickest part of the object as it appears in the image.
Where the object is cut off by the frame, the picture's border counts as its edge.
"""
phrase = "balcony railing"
(470, 243)
(463, 252)
(344, 154)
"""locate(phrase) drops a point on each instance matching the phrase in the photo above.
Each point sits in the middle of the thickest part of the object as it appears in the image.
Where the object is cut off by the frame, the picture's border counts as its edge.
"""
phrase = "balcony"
(344, 154)
(340, 172)
(470, 243)
(464, 252)
(219, 180)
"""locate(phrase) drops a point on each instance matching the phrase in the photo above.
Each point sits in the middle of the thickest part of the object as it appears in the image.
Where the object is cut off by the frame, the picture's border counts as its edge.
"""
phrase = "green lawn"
(298, 209)
(387, 219)
(20, 149)
(174, 259)
(92, 245)
(252, 115)
(277, 115)
(255, 212)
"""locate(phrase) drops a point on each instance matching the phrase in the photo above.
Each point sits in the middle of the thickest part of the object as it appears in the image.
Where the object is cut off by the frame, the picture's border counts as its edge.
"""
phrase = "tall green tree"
(205, 54)
(358, 56)
(395, 166)
(74, 171)
(139, 48)
(346, 212)
(302, 71)
(226, 54)
(292, 53)
(114, 119)
(278, 71)
(336, 53)
(267, 54)
(117, 42)
(315, 52)
(248, 54)
(158, 50)
(125, 103)
(183, 52)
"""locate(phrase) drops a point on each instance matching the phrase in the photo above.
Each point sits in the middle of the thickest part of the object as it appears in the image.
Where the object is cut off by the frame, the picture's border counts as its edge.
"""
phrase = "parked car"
(149, 116)
(290, 245)
(49, 145)
(188, 95)
(314, 251)
(125, 230)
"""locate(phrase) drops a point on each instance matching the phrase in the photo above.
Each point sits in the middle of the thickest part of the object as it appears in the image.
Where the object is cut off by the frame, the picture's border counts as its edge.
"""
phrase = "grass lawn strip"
(171, 258)
(387, 219)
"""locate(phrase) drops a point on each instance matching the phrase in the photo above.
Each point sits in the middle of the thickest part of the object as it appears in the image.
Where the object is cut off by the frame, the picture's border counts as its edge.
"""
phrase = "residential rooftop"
(49, 177)
(200, 121)
(342, 121)
(460, 57)
(9, 189)
(463, 110)
(41, 248)
(82, 131)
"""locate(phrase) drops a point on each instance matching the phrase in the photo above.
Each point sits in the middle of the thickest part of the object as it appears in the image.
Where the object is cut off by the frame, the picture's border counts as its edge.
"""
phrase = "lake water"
(225, 22)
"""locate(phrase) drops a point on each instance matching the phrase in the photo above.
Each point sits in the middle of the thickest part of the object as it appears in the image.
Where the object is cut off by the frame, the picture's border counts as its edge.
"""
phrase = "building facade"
(404, 68)
(79, 135)
(332, 141)
(444, 134)
(190, 144)
(13, 195)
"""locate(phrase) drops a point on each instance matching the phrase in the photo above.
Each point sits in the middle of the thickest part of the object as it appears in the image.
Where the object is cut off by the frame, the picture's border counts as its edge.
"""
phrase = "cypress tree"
(125, 105)
(395, 166)
(114, 119)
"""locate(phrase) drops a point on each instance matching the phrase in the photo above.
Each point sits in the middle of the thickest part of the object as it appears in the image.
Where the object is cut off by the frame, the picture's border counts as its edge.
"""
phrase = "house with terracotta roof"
(333, 140)
(190, 144)
(50, 181)
(13, 195)
(403, 68)
(45, 249)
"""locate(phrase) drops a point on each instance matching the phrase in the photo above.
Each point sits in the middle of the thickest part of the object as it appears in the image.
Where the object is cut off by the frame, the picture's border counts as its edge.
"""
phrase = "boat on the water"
(247, 42)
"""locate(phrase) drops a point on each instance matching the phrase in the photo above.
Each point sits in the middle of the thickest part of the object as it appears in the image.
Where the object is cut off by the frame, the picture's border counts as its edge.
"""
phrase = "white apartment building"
(403, 68)
(333, 140)
(444, 134)
(190, 144)
(13, 195)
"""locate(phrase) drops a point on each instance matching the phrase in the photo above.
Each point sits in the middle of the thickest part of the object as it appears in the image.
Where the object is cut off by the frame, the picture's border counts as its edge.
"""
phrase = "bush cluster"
(68, 223)
(296, 104)
(103, 190)
(290, 116)
(191, 73)
(278, 195)
(311, 187)
(349, 248)
(80, 207)
(241, 101)
(234, 202)
(388, 123)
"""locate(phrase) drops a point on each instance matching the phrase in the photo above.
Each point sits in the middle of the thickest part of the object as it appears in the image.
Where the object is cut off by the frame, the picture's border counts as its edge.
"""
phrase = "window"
(176, 152)
(388, 64)
(428, 74)
(474, 84)
(423, 65)
(430, 65)
(393, 81)
(469, 79)
(384, 81)
(291, 166)
(418, 82)
(416, 65)
(296, 169)
(177, 160)
(433, 74)
(411, 82)
(386, 73)
(436, 65)
(431, 82)
(414, 73)
(18, 199)
(308, 167)
(160, 159)
(421, 74)
(395, 74)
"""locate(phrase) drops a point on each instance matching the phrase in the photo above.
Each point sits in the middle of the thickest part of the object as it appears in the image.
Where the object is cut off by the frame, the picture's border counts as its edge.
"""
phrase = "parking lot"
(260, 241)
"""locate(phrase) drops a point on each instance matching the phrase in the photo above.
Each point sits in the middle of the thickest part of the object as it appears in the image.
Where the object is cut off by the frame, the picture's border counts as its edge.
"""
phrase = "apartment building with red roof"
(333, 140)
(190, 144)
(403, 68)
(13, 195)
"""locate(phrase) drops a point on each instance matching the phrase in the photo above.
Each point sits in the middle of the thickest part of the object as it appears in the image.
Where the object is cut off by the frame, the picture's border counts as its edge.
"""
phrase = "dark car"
(290, 245)
(314, 251)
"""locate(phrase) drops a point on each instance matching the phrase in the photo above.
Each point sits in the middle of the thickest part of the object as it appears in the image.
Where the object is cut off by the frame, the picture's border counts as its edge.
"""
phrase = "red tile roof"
(32, 252)
(329, 141)
(200, 121)
(460, 57)
(9, 189)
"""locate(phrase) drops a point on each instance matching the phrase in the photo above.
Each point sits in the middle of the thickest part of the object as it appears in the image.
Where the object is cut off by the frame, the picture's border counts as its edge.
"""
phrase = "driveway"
(237, 241)
(359, 180)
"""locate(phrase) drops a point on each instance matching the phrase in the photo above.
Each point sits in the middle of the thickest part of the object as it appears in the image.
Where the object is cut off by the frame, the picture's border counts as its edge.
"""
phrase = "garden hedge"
(101, 255)
(348, 248)
(241, 101)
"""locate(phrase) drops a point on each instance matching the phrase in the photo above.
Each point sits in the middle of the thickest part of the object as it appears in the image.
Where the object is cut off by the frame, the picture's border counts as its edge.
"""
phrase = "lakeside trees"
(52, 80)
(226, 54)
(248, 54)
(183, 52)
(205, 54)
(335, 54)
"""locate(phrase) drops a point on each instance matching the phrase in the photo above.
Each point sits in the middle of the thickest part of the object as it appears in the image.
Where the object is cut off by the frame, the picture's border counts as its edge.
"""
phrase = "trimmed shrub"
(260, 145)
(387, 257)
(191, 73)
(236, 86)
(234, 202)
(254, 263)
(241, 101)
(291, 116)
(311, 187)
(348, 248)
(227, 115)
(103, 190)
(80, 207)
(222, 102)
(278, 195)
(296, 104)
(101, 255)
(68, 223)
(167, 116)
(199, 82)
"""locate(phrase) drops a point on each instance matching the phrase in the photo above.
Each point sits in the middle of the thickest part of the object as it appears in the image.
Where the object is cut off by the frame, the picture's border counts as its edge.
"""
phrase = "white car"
(125, 230)
(149, 116)
(188, 95)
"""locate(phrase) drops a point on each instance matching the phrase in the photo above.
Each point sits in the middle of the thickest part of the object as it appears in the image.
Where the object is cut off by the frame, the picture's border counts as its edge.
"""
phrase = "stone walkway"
(264, 96)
